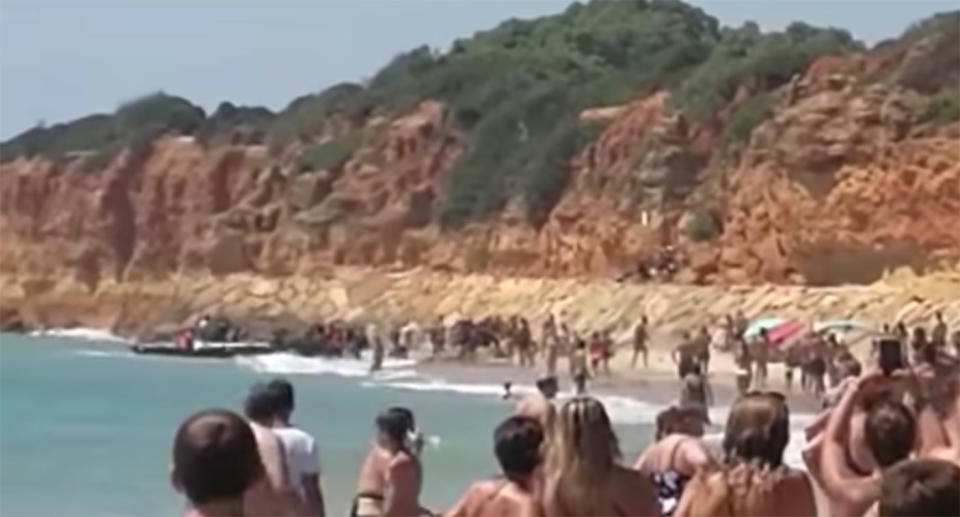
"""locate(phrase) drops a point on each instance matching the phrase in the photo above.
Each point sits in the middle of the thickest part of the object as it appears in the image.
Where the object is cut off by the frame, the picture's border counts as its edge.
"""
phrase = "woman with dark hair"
(752, 479)
(391, 476)
(676, 455)
(583, 473)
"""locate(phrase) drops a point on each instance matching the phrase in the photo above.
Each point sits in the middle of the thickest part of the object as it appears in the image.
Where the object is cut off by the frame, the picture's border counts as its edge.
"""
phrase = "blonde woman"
(583, 472)
(753, 481)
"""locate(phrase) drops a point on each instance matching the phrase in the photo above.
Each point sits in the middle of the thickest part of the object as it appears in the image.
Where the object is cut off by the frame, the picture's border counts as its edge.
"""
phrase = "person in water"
(920, 488)
(540, 404)
(391, 476)
(303, 458)
(583, 475)
(676, 454)
(752, 479)
(695, 390)
(215, 462)
(516, 443)
(274, 495)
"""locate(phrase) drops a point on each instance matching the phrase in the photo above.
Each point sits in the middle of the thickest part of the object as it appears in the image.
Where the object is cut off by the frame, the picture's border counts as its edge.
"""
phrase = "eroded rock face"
(838, 185)
(835, 188)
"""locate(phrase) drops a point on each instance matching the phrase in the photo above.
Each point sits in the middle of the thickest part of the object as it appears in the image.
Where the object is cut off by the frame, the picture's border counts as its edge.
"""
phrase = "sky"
(61, 59)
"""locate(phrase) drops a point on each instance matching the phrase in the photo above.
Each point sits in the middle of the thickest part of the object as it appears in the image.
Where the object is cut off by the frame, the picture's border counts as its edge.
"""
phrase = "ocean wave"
(287, 363)
(105, 353)
(89, 334)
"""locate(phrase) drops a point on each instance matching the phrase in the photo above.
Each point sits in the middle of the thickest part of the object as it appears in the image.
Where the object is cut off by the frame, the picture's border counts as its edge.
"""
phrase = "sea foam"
(287, 363)
(89, 334)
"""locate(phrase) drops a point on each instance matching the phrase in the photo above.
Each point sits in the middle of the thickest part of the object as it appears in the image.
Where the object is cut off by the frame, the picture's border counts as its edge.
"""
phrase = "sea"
(86, 426)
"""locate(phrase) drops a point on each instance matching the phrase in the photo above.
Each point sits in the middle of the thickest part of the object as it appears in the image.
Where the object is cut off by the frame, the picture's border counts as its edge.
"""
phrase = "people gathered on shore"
(886, 442)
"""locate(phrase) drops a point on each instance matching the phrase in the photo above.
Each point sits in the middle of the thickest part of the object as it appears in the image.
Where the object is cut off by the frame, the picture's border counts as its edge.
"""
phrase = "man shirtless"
(516, 443)
(640, 336)
(551, 344)
(274, 494)
(578, 366)
(391, 476)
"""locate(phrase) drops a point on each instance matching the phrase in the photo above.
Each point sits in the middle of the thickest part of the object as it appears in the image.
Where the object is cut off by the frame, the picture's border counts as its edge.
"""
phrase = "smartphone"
(891, 355)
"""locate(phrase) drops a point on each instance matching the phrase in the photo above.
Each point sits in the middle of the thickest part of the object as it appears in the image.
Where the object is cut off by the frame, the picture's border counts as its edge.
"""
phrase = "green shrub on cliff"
(746, 118)
(701, 226)
(329, 155)
(943, 108)
(103, 134)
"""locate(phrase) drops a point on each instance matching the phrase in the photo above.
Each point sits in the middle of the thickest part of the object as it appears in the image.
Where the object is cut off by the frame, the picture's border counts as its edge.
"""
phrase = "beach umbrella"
(767, 322)
(786, 330)
(841, 326)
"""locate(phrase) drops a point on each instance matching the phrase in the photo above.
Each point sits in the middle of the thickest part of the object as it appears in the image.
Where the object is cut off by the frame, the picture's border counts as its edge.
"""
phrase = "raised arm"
(839, 483)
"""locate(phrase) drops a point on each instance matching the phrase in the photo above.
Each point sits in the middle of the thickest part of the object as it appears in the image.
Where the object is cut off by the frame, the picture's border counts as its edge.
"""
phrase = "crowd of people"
(886, 443)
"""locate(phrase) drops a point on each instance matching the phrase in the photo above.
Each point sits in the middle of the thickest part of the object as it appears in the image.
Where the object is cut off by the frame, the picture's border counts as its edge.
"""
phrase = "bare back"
(496, 498)
(627, 493)
(743, 492)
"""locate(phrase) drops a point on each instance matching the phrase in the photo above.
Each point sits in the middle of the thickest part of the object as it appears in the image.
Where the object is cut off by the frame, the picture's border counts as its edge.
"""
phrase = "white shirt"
(302, 455)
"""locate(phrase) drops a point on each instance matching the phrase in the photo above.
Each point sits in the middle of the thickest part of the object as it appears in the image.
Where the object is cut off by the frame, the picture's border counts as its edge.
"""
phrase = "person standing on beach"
(938, 336)
(215, 462)
(583, 475)
(596, 353)
(516, 444)
(524, 342)
(274, 494)
(606, 340)
(695, 391)
(303, 458)
(702, 346)
(438, 335)
(578, 366)
(761, 355)
(744, 367)
(676, 454)
(684, 355)
(391, 476)
(551, 344)
(640, 336)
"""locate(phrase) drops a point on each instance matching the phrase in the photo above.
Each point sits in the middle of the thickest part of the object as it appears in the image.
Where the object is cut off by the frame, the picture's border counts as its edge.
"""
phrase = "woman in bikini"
(676, 455)
(583, 473)
(752, 480)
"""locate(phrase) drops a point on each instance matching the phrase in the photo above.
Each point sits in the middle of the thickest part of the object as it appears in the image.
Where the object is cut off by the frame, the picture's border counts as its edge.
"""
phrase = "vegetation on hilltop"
(514, 94)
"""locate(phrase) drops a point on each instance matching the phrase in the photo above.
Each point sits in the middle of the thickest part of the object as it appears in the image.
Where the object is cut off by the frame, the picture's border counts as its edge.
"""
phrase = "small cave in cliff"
(836, 263)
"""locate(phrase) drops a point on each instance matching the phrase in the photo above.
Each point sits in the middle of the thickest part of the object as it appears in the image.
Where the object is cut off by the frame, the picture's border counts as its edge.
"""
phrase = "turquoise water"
(86, 428)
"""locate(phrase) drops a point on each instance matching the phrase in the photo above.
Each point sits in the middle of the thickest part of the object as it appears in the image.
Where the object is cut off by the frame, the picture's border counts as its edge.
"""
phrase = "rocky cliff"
(837, 176)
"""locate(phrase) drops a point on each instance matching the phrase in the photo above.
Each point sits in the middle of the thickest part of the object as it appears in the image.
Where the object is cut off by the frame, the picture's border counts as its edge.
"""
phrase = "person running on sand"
(920, 488)
(583, 474)
(676, 455)
(390, 478)
(540, 404)
(890, 431)
(274, 494)
(752, 480)
(640, 336)
(303, 458)
(215, 462)
(578, 366)
(516, 444)
(938, 336)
